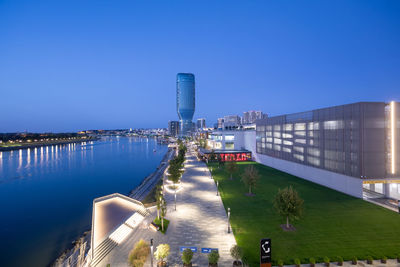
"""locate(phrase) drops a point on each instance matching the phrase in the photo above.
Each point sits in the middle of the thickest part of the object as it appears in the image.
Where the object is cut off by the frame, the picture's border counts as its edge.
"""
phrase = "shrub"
(162, 252)
(236, 252)
(327, 261)
(213, 257)
(384, 259)
(369, 259)
(312, 262)
(280, 263)
(354, 260)
(398, 258)
(339, 261)
(139, 253)
(297, 262)
(187, 256)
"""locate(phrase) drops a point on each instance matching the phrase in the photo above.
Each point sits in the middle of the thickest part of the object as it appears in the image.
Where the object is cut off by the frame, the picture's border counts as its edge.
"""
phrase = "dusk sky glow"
(75, 65)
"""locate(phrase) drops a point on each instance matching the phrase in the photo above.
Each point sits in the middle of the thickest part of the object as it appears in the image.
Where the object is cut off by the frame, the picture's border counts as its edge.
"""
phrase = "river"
(46, 193)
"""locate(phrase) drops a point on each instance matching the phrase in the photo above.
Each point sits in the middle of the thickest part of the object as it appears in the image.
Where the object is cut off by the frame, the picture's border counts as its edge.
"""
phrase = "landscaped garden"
(332, 225)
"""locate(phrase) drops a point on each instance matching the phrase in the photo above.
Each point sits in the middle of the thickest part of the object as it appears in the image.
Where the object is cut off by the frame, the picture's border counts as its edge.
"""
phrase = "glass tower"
(185, 101)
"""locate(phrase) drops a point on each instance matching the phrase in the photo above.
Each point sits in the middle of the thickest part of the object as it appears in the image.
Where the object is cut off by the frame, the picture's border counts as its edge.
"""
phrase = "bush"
(354, 260)
(398, 258)
(162, 252)
(297, 262)
(369, 259)
(312, 262)
(339, 261)
(236, 252)
(280, 263)
(139, 253)
(327, 261)
(187, 256)
(384, 259)
(213, 257)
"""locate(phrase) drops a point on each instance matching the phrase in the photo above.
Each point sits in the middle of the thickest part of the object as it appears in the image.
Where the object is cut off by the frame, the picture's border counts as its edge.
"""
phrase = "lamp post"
(175, 197)
(217, 188)
(151, 251)
(229, 215)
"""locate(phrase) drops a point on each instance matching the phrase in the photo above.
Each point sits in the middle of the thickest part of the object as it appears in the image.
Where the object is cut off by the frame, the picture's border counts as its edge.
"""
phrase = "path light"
(175, 197)
(217, 188)
(229, 215)
(151, 251)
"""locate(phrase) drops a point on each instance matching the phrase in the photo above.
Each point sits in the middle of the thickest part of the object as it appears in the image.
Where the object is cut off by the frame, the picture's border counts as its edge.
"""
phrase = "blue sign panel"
(208, 250)
(194, 249)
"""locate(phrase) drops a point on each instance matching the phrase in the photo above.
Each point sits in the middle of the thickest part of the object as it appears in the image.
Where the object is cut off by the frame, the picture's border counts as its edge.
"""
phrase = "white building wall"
(343, 183)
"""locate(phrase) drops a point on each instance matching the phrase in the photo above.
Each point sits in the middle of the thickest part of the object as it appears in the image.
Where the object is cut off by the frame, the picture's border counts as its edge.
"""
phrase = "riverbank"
(75, 255)
(48, 143)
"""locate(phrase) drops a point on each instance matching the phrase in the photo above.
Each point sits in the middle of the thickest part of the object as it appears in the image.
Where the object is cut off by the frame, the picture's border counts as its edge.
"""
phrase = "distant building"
(201, 123)
(185, 101)
(173, 128)
(231, 121)
(220, 124)
(251, 116)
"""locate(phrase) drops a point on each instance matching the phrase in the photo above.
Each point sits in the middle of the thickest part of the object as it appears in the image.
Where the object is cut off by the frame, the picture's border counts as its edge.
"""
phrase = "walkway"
(200, 221)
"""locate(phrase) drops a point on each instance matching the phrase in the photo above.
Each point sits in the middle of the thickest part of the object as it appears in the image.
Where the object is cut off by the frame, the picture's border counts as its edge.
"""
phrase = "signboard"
(265, 252)
(208, 250)
(194, 249)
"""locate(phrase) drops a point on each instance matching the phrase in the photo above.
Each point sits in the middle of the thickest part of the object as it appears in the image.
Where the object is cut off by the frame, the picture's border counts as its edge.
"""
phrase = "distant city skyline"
(70, 65)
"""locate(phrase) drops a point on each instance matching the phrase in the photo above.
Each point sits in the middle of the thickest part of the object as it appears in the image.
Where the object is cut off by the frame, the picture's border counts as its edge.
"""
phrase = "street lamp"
(217, 188)
(175, 197)
(229, 215)
(151, 251)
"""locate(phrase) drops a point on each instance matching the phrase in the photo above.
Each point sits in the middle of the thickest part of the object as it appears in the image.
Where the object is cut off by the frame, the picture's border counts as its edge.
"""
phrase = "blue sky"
(71, 65)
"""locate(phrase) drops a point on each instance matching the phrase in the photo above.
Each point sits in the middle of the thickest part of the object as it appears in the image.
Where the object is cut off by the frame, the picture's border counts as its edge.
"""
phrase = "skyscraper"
(173, 128)
(201, 123)
(185, 101)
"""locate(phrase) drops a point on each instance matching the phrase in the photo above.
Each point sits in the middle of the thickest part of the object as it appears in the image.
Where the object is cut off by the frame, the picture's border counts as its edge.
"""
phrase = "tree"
(159, 197)
(288, 204)
(236, 253)
(231, 167)
(250, 177)
(161, 253)
(163, 212)
(139, 254)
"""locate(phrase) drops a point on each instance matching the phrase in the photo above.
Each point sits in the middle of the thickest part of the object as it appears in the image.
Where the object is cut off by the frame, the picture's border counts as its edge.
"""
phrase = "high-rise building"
(173, 128)
(231, 121)
(185, 101)
(220, 124)
(251, 116)
(201, 123)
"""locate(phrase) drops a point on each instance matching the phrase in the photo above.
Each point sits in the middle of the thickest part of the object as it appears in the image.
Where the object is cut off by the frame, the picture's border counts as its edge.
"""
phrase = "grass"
(158, 222)
(333, 224)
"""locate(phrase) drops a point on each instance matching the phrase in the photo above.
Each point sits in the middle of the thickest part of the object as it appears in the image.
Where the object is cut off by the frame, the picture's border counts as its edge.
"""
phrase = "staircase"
(102, 250)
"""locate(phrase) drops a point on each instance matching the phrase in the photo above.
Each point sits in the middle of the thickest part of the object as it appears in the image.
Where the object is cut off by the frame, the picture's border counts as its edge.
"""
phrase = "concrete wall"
(346, 184)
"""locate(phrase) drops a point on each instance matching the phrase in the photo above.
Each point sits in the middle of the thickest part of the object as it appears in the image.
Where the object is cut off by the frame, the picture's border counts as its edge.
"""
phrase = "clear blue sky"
(71, 65)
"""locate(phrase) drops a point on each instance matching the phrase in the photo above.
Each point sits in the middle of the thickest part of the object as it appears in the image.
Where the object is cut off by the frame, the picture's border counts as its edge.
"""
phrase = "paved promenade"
(199, 221)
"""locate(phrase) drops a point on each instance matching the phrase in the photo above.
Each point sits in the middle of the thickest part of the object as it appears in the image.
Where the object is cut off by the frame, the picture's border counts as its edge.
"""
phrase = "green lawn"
(333, 224)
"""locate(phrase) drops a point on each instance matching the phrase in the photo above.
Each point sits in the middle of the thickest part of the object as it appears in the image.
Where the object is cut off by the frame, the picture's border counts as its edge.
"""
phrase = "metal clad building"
(358, 140)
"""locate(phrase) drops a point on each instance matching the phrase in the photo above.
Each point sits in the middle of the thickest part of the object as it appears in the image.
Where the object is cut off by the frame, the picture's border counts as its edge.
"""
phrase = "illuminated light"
(134, 220)
(121, 233)
(171, 188)
(393, 135)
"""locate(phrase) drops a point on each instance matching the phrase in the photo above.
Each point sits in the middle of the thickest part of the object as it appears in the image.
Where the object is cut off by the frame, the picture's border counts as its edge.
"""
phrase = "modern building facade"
(251, 116)
(173, 128)
(185, 101)
(201, 123)
(347, 148)
(231, 121)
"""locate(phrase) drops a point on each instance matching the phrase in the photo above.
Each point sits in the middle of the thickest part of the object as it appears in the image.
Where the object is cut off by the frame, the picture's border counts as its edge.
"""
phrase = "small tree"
(159, 197)
(236, 253)
(162, 253)
(289, 204)
(187, 256)
(250, 177)
(231, 167)
(163, 212)
(139, 254)
(213, 258)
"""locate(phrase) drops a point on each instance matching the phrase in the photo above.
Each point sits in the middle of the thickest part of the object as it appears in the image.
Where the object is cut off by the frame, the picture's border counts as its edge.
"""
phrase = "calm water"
(46, 193)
